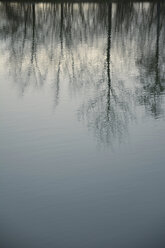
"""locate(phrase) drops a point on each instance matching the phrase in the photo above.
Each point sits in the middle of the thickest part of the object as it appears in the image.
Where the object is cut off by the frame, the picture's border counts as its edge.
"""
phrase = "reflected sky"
(82, 100)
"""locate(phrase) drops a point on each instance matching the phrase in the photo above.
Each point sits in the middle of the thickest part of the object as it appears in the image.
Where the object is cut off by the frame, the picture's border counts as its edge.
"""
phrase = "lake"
(82, 113)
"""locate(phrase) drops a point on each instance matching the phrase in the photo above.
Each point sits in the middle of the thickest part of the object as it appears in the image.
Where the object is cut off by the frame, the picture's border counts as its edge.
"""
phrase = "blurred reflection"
(95, 48)
(151, 63)
(110, 110)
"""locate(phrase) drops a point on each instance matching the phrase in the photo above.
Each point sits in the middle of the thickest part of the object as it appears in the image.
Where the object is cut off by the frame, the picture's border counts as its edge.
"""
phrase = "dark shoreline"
(82, 1)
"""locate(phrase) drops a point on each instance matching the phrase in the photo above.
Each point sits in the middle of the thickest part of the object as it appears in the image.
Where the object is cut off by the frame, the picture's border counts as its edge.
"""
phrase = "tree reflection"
(83, 44)
(151, 63)
(110, 109)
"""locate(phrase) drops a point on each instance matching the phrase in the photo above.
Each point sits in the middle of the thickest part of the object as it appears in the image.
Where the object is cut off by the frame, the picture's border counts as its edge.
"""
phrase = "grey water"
(82, 125)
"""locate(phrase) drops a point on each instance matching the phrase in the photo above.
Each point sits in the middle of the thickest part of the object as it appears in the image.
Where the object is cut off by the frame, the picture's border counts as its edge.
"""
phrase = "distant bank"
(83, 1)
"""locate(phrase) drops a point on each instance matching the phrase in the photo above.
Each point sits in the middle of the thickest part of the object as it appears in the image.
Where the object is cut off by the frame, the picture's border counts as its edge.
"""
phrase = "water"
(82, 110)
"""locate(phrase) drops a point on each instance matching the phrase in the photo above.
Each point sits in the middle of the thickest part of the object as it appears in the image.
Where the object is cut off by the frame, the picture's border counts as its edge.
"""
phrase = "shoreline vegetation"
(83, 1)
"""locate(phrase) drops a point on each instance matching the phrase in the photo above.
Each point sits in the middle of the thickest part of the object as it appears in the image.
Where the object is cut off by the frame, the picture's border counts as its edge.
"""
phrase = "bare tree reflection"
(151, 63)
(110, 110)
(79, 43)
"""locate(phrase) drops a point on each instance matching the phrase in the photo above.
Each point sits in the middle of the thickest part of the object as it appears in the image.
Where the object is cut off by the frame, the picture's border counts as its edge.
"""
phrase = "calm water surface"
(82, 125)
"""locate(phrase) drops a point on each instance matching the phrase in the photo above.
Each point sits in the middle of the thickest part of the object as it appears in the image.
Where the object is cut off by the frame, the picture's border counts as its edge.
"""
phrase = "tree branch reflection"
(84, 44)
